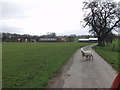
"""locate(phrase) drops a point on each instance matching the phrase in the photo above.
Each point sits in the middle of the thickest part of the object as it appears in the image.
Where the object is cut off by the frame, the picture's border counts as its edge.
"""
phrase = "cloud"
(7, 29)
(13, 10)
(37, 17)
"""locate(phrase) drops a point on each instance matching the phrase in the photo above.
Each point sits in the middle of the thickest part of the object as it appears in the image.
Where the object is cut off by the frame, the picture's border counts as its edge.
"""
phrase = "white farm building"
(91, 40)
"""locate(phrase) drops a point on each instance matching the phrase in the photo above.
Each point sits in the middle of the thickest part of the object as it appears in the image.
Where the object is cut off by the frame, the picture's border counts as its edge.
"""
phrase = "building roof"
(93, 38)
(83, 39)
(88, 39)
(48, 39)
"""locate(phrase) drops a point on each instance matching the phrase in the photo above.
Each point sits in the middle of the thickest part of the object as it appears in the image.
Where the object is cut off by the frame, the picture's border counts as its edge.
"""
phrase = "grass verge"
(111, 56)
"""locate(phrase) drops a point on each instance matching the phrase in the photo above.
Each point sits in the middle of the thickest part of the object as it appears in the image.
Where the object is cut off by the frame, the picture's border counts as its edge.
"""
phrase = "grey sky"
(37, 17)
(12, 10)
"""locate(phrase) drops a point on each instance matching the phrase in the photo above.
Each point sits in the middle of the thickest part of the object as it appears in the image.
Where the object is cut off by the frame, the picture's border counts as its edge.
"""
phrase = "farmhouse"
(90, 40)
(51, 40)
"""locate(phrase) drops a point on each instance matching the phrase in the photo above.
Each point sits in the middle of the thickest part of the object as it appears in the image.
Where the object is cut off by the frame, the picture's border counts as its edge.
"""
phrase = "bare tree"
(102, 17)
(51, 34)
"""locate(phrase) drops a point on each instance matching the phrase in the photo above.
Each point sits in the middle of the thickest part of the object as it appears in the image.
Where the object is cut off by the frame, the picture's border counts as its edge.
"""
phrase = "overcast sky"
(37, 17)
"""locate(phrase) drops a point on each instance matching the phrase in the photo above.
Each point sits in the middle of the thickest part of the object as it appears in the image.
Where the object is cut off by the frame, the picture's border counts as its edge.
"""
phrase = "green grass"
(31, 65)
(116, 43)
(110, 55)
(114, 46)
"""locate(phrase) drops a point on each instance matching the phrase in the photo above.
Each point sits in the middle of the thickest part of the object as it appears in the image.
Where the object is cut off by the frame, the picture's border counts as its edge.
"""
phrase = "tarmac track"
(80, 73)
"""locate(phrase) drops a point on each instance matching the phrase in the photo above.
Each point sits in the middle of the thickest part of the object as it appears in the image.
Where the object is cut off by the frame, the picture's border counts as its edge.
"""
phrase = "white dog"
(87, 54)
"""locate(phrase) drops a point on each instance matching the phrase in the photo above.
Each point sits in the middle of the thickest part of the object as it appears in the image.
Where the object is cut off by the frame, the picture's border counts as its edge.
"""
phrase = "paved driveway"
(79, 73)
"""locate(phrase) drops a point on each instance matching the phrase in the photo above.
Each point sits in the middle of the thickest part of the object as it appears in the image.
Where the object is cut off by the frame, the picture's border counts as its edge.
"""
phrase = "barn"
(83, 40)
(93, 40)
(51, 40)
(90, 40)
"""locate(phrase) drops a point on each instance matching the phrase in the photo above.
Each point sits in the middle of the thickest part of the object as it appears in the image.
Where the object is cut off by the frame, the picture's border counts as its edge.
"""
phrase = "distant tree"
(51, 35)
(6, 37)
(70, 39)
(102, 17)
(0, 37)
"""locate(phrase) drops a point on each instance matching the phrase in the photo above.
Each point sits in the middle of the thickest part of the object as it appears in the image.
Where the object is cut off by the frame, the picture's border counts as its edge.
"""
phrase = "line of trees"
(8, 37)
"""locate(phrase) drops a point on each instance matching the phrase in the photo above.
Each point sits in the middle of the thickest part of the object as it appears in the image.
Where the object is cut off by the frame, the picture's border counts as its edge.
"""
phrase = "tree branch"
(113, 26)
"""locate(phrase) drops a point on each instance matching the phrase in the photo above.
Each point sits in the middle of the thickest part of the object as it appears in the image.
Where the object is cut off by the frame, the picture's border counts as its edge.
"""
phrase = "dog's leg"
(91, 57)
(87, 57)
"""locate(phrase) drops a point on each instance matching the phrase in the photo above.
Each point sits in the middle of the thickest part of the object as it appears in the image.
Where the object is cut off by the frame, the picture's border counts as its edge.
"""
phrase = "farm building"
(51, 40)
(83, 40)
(91, 40)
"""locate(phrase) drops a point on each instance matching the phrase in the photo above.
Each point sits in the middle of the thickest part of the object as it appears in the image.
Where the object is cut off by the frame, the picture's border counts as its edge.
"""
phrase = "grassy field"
(116, 45)
(110, 54)
(31, 65)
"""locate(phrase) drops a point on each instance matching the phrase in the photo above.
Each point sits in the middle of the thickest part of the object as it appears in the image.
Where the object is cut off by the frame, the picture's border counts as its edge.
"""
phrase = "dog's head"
(81, 49)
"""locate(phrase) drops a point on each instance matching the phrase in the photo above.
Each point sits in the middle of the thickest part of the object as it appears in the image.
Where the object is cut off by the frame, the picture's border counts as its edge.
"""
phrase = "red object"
(116, 83)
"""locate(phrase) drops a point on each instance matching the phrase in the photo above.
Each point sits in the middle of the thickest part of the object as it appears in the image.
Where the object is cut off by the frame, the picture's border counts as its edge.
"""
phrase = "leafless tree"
(102, 17)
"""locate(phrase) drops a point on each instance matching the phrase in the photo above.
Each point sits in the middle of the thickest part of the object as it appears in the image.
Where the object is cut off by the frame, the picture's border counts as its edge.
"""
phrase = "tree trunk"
(101, 41)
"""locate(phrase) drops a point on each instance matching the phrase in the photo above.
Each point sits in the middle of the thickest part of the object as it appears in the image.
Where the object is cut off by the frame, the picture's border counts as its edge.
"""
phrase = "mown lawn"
(116, 44)
(31, 65)
(110, 54)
